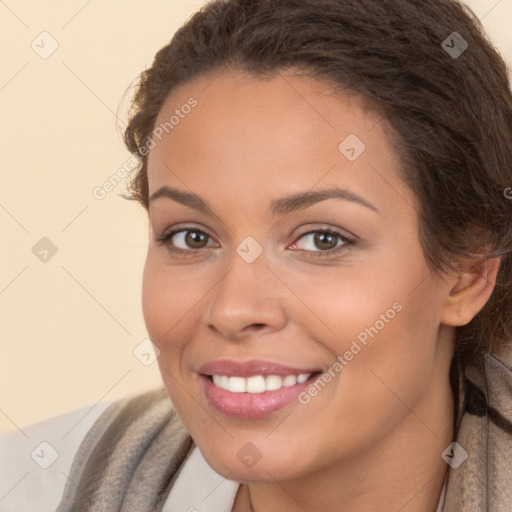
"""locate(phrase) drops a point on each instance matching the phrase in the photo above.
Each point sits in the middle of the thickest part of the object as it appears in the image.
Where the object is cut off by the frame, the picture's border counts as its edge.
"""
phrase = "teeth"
(273, 382)
(237, 384)
(289, 380)
(303, 377)
(258, 383)
(255, 384)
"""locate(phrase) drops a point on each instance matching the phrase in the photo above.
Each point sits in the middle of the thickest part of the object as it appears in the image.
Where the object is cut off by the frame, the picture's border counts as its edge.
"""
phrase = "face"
(333, 285)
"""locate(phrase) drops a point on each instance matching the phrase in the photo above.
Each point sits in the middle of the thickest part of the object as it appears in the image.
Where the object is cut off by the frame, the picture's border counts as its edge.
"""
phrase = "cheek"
(392, 368)
(389, 308)
(164, 310)
(168, 301)
(384, 329)
(154, 301)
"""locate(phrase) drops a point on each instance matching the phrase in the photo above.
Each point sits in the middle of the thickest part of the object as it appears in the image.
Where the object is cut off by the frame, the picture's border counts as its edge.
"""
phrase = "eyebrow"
(282, 206)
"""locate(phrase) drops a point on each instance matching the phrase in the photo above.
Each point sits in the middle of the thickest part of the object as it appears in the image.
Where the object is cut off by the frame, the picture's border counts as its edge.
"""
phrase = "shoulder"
(38, 462)
(131, 455)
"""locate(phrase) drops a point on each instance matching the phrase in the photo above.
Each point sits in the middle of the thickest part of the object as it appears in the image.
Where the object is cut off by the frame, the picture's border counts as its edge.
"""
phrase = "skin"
(372, 438)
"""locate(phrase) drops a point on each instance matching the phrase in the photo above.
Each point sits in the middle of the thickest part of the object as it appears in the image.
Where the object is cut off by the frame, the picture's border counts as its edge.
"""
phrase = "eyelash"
(163, 239)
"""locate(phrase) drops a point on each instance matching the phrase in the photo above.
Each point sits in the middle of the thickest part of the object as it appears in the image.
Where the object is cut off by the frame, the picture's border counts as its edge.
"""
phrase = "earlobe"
(470, 292)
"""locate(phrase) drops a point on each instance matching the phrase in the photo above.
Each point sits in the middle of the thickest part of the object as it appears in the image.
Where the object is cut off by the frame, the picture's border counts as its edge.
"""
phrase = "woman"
(328, 277)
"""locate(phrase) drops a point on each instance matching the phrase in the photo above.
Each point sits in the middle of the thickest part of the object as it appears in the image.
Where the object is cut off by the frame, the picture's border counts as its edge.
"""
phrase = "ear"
(470, 291)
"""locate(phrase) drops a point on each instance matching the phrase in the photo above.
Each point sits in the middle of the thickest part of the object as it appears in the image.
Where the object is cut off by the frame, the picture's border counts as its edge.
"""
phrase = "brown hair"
(450, 115)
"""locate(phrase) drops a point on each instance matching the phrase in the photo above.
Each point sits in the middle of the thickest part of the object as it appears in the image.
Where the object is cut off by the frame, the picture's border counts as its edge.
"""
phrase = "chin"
(248, 464)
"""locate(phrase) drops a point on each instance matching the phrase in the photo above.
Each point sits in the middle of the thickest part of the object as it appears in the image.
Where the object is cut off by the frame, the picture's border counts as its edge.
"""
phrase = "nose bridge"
(245, 296)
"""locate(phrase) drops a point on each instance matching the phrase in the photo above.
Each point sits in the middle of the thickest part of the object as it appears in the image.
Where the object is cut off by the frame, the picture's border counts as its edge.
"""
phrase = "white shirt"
(35, 463)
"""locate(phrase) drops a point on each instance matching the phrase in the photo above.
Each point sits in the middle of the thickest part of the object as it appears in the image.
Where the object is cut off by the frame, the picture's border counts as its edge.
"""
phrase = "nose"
(246, 301)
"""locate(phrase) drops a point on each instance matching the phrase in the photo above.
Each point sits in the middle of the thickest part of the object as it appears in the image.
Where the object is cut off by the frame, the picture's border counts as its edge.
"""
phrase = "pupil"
(193, 237)
(320, 240)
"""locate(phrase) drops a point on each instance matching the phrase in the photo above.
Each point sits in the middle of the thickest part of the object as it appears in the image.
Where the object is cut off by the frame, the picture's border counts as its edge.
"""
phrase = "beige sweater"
(133, 454)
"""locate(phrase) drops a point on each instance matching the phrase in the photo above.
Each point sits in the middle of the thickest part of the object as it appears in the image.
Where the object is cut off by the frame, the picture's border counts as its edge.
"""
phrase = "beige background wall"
(70, 323)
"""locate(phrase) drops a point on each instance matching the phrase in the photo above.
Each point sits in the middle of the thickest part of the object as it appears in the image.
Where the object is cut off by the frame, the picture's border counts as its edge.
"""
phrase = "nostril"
(256, 326)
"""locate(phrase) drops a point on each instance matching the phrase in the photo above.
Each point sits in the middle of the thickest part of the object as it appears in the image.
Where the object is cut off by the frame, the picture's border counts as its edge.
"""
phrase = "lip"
(251, 406)
(232, 368)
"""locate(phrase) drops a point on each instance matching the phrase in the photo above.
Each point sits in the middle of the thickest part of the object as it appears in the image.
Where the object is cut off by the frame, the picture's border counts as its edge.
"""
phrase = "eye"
(324, 239)
(190, 239)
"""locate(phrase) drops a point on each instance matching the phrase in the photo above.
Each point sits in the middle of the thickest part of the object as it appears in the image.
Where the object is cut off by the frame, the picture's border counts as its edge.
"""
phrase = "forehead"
(273, 135)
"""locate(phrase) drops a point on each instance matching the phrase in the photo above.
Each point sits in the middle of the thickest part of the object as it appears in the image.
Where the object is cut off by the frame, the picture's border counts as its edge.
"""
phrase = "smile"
(257, 383)
(251, 405)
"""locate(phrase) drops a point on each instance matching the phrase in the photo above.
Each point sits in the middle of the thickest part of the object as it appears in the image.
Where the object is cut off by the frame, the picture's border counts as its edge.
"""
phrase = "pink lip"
(250, 368)
(251, 405)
